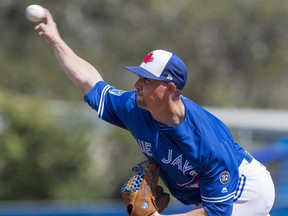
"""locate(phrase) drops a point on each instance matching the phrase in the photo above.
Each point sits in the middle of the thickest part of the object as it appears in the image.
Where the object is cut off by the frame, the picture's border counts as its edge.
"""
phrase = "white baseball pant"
(255, 192)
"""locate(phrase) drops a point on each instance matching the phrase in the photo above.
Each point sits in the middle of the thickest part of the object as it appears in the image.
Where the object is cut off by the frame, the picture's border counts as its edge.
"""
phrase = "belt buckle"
(248, 157)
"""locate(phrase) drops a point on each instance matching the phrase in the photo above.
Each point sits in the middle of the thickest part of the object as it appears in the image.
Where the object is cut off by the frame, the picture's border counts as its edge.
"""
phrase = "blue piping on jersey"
(101, 104)
(240, 187)
(156, 145)
(218, 199)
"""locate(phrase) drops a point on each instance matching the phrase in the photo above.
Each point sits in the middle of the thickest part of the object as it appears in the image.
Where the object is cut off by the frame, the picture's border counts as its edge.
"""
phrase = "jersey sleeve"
(218, 181)
(111, 104)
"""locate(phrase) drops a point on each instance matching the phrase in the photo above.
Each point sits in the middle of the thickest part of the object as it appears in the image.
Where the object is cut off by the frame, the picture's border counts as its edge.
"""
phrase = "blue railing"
(108, 208)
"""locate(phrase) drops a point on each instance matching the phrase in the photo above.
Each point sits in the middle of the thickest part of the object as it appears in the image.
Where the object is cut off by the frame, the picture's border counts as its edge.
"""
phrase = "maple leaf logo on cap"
(148, 58)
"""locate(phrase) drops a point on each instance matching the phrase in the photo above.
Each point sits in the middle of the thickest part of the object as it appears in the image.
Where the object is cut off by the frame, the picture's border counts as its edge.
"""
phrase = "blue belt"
(248, 157)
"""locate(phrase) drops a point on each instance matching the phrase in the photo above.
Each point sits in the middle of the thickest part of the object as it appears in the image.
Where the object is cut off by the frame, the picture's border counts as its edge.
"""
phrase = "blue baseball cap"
(162, 65)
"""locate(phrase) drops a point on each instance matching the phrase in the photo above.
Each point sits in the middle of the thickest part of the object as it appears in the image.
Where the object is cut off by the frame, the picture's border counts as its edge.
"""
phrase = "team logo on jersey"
(224, 177)
(116, 92)
(178, 161)
(148, 58)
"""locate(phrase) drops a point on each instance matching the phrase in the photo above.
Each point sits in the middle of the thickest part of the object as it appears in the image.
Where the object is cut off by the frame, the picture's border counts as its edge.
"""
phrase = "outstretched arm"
(79, 71)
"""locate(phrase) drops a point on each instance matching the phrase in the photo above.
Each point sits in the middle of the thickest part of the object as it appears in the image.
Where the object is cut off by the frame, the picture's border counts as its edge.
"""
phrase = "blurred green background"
(53, 148)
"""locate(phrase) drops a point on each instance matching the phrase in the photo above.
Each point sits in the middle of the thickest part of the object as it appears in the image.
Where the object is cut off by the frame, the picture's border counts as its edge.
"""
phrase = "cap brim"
(142, 72)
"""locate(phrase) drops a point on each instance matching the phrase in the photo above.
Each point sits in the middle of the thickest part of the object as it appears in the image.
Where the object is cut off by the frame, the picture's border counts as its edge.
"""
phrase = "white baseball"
(35, 13)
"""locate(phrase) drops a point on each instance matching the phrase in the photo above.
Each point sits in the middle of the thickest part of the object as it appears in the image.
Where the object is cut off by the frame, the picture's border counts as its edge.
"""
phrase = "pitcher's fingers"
(40, 27)
(48, 16)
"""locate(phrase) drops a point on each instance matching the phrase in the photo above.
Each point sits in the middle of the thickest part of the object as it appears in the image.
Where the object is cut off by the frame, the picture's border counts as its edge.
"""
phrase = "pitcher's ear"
(171, 87)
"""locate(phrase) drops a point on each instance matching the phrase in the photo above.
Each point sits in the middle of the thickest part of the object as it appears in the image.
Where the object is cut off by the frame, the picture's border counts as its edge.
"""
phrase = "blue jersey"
(198, 159)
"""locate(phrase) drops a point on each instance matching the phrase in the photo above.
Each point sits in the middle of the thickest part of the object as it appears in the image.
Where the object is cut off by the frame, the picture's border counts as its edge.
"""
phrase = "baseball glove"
(141, 194)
